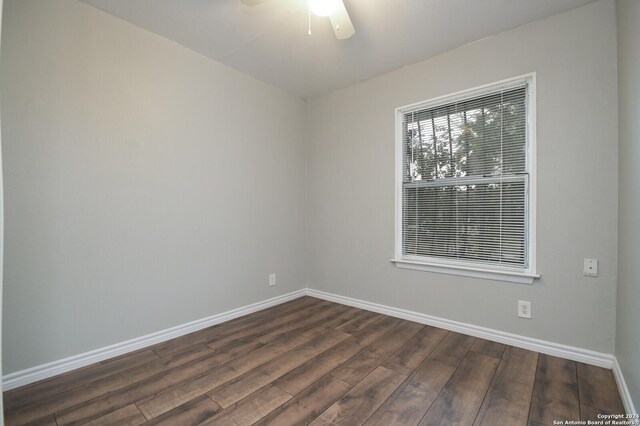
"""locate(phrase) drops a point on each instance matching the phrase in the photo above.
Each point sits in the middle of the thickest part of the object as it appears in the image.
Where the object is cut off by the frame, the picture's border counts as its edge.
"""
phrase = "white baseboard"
(40, 372)
(569, 352)
(623, 389)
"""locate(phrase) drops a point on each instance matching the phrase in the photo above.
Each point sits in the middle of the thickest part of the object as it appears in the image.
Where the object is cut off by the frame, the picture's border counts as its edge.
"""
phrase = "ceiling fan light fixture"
(323, 7)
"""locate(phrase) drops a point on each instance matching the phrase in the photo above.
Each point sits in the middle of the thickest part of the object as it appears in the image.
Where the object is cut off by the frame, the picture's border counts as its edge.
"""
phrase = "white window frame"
(462, 268)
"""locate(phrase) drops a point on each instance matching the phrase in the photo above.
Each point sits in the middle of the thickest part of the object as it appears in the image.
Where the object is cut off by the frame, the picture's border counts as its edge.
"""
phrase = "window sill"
(466, 271)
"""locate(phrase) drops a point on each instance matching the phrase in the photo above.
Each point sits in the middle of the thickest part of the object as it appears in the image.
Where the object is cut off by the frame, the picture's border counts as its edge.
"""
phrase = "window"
(466, 185)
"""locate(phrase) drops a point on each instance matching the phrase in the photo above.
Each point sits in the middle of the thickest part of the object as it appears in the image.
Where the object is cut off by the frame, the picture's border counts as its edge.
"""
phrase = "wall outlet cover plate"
(590, 268)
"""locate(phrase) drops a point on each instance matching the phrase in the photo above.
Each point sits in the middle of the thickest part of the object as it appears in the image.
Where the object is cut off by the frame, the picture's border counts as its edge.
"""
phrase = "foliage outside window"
(465, 188)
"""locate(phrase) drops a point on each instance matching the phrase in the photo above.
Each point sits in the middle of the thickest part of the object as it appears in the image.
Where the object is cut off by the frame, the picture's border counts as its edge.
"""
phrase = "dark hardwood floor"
(312, 361)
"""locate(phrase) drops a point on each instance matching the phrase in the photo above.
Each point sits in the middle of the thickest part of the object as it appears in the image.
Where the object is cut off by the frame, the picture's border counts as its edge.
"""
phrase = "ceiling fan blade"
(341, 22)
(252, 3)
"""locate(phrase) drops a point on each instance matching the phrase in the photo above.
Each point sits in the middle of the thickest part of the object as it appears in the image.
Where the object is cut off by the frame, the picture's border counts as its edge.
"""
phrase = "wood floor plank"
(251, 409)
(555, 392)
(339, 319)
(232, 392)
(177, 394)
(126, 416)
(49, 420)
(452, 349)
(371, 357)
(357, 405)
(162, 400)
(359, 322)
(304, 325)
(520, 365)
(591, 413)
(311, 371)
(122, 380)
(162, 384)
(461, 398)
(230, 327)
(411, 400)
(309, 404)
(509, 396)
(411, 354)
(122, 358)
(376, 329)
(488, 348)
(597, 388)
(164, 397)
(190, 413)
(46, 388)
(278, 326)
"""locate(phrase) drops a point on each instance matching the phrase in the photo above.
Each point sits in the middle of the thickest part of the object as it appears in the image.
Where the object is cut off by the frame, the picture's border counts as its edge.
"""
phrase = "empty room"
(291, 212)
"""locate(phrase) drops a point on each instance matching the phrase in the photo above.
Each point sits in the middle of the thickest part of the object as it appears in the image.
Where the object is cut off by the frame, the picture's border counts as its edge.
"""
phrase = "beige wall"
(351, 182)
(628, 319)
(146, 185)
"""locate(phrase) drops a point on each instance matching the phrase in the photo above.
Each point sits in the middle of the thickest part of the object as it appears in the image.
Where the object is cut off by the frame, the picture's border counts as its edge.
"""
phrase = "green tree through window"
(465, 180)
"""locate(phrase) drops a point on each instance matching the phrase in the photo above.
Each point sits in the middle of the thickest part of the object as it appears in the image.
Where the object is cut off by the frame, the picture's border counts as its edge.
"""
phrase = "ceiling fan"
(334, 9)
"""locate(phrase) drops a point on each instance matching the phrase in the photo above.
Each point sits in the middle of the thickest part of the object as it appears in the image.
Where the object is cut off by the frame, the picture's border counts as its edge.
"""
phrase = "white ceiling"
(270, 41)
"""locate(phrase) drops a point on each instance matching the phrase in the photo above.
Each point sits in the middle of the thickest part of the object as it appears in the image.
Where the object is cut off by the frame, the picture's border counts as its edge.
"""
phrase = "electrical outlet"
(590, 268)
(272, 280)
(524, 309)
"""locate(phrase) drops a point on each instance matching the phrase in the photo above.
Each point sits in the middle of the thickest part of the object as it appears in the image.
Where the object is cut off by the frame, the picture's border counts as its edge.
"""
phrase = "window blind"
(465, 180)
